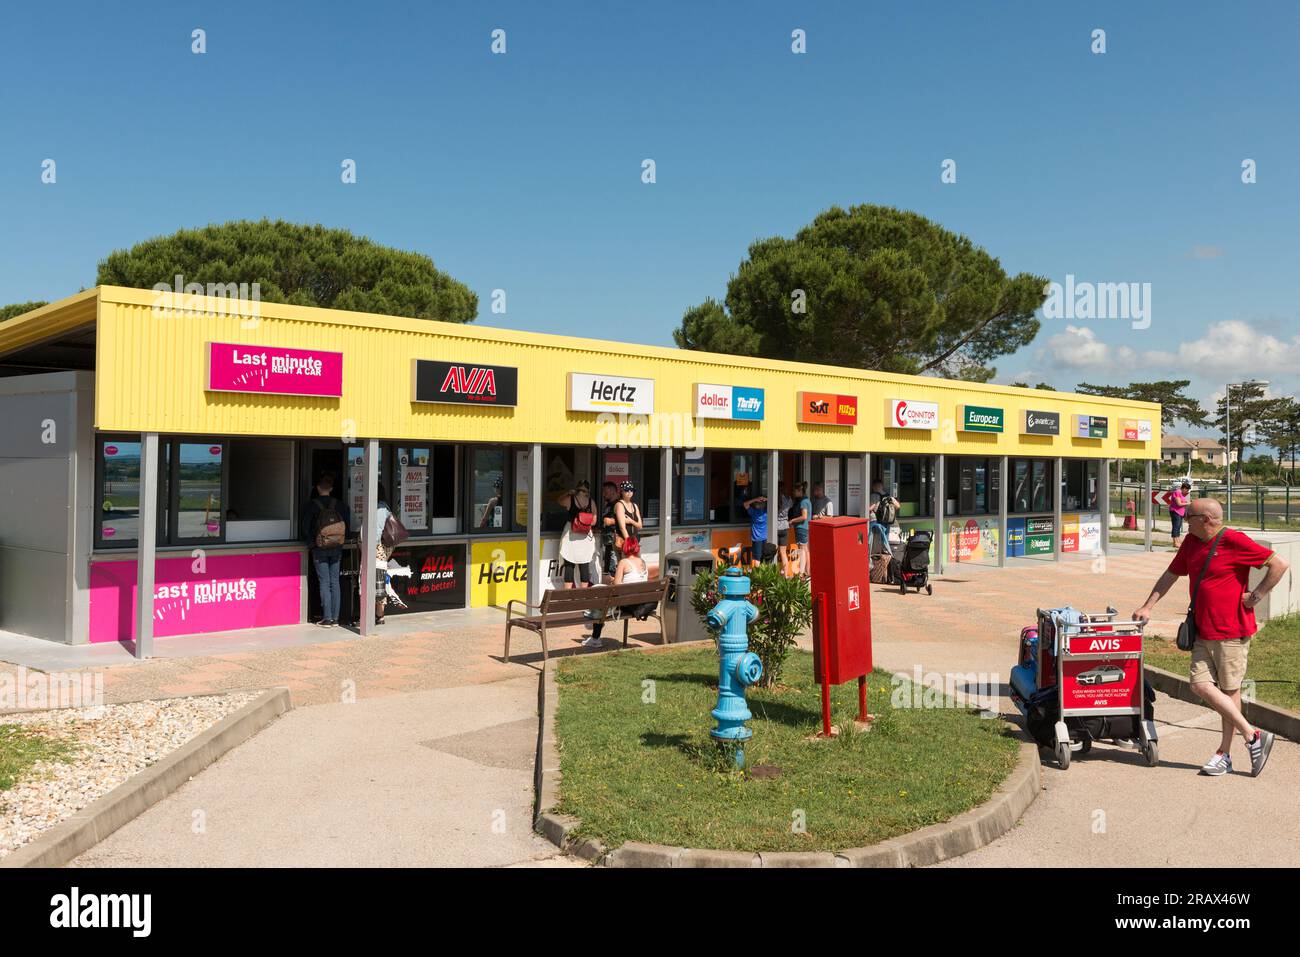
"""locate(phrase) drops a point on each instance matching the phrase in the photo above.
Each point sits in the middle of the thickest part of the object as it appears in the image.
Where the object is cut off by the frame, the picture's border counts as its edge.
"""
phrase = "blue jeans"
(327, 573)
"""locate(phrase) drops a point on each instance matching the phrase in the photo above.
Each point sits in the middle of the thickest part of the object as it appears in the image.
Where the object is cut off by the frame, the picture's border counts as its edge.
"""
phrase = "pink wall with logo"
(234, 592)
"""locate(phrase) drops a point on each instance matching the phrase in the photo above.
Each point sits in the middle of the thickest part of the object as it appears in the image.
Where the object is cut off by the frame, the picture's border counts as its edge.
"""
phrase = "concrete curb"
(966, 832)
(132, 797)
(1267, 716)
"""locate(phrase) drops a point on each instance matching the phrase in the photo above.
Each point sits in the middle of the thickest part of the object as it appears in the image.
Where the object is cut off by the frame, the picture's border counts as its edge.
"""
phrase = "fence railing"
(1264, 507)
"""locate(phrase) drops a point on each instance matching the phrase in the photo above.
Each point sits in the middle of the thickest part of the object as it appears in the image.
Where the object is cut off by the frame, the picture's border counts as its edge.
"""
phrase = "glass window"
(1040, 500)
(200, 515)
(969, 482)
(119, 492)
(690, 506)
(412, 488)
(356, 482)
(444, 490)
(487, 481)
(648, 488)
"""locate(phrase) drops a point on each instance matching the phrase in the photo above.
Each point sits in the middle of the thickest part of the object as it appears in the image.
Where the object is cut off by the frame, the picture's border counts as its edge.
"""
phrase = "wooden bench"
(567, 606)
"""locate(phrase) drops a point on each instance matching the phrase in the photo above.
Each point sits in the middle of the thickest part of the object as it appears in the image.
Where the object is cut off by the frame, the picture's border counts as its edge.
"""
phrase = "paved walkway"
(432, 764)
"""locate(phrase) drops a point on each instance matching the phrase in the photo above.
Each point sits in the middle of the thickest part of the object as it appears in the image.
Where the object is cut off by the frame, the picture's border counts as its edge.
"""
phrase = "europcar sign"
(729, 402)
(979, 418)
(906, 414)
(463, 383)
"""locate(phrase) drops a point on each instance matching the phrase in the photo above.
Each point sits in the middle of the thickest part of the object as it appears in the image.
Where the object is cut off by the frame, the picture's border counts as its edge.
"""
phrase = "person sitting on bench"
(631, 570)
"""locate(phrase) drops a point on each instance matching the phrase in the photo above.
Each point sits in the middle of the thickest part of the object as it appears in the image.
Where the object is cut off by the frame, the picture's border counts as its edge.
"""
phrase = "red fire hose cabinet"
(840, 555)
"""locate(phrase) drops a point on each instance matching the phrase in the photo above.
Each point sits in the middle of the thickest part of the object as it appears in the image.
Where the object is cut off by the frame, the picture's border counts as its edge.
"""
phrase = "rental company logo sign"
(463, 383)
(906, 414)
(825, 408)
(1135, 430)
(979, 418)
(273, 370)
(1034, 422)
(610, 393)
(728, 402)
(1091, 426)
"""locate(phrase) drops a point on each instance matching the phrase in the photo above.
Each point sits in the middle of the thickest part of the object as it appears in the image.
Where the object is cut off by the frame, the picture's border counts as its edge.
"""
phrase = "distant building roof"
(1182, 442)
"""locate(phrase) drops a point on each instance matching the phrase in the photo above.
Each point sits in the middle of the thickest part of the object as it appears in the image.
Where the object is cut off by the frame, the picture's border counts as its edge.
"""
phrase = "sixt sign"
(980, 418)
(463, 383)
(1035, 422)
(728, 402)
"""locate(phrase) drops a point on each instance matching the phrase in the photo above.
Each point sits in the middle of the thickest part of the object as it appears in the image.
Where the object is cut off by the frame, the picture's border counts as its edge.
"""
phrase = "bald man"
(1225, 621)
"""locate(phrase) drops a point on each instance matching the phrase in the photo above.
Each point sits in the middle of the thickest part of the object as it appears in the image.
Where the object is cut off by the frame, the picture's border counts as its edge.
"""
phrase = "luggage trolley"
(1079, 679)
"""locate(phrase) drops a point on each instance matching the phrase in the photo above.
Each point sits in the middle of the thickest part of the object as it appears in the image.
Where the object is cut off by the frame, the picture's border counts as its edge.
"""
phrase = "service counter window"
(563, 467)
(487, 488)
(910, 479)
(732, 478)
(1080, 483)
(192, 491)
(356, 482)
(1031, 485)
(690, 470)
(260, 506)
(972, 485)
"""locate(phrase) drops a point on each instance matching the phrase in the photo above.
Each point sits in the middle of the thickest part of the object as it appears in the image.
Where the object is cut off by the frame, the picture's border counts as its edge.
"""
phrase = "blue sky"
(522, 171)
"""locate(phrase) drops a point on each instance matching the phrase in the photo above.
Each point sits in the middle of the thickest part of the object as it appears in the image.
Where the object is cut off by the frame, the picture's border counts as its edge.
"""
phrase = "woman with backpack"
(577, 541)
(324, 523)
(883, 512)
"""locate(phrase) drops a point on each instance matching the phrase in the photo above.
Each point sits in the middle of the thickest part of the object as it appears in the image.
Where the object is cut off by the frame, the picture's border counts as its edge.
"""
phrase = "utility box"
(840, 552)
(681, 569)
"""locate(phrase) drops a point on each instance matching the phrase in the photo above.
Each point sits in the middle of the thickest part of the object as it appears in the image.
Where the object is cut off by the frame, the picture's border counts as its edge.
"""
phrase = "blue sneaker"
(1219, 764)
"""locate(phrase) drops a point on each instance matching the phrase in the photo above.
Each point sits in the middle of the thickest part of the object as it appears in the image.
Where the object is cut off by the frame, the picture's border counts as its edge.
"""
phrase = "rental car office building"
(168, 451)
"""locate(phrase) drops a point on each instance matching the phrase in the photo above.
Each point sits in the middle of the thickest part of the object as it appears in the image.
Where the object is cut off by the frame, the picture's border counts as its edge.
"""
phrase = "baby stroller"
(1078, 679)
(910, 566)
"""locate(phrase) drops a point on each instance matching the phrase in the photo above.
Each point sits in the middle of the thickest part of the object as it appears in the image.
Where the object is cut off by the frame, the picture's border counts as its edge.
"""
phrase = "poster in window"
(436, 580)
(415, 500)
(693, 492)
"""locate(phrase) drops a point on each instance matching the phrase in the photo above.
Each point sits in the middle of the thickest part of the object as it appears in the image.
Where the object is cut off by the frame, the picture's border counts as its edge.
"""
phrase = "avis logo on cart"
(1104, 644)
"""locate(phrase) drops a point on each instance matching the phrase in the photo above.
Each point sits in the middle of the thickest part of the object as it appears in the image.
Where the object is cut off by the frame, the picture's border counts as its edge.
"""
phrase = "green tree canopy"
(301, 265)
(18, 308)
(871, 287)
(1176, 404)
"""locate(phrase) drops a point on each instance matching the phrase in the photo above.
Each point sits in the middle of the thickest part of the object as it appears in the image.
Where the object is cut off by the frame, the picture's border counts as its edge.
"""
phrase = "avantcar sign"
(1035, 422)
(979, 418)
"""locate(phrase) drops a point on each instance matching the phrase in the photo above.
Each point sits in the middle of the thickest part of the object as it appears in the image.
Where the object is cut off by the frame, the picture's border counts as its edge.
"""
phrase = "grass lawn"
(21, 748)
(1274, 661)
(635, 771)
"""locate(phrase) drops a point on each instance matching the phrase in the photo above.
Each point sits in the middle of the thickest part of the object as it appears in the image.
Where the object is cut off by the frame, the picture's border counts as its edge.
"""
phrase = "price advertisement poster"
(1100, 683)
(415, 488)
(437, 579)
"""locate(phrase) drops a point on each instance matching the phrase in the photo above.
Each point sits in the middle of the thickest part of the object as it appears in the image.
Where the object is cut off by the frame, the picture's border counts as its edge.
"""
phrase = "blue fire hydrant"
(739, 667)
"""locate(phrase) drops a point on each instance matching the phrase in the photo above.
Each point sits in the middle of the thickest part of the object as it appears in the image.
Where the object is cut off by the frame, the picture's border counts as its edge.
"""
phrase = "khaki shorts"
(1222, 662)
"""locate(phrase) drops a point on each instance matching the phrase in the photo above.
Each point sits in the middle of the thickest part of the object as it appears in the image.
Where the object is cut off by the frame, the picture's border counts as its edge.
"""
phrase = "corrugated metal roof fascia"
(596, 347)
(49, 321)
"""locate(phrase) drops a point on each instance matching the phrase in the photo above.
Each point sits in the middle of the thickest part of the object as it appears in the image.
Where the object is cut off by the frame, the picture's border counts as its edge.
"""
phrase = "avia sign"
(1036, 422)
(979, 418)
(826, 408)
(906, 414)
(463, 383)
(610, 393)
(729, 402)
(1091, 426)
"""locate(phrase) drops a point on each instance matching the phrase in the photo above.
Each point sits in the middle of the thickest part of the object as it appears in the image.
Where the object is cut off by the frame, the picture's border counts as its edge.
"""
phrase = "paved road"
(438, 778)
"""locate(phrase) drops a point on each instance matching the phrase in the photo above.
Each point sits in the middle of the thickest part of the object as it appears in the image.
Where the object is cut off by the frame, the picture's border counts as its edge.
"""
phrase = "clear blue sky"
(522, 171)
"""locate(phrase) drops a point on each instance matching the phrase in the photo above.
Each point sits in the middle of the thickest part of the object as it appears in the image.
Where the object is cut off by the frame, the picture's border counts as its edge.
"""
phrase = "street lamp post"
(1227, 428)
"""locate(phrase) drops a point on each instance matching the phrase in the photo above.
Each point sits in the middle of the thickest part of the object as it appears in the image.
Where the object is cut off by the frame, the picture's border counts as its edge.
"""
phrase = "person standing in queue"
(800, 515)
(577, 542)
(627, 516)
(756, 508)
(324, 524)
(609, 555)
(382, 554)
(783, 506)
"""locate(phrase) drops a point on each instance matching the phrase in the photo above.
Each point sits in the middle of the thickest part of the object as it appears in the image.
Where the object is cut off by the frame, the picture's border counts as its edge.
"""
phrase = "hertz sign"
(825, 408)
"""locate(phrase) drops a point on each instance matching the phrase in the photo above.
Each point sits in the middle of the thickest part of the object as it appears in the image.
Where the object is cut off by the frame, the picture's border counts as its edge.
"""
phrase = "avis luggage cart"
(1080, 679)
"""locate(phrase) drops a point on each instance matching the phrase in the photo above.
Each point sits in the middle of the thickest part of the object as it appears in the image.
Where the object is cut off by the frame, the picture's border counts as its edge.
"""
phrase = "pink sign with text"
(232, 592)
(274, 370)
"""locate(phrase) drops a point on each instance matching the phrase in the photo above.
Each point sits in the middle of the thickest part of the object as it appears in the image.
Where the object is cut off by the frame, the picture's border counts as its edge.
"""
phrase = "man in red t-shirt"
(1225, 621)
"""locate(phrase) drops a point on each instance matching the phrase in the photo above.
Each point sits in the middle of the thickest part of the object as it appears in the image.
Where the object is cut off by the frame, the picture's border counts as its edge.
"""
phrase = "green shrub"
(784, 611)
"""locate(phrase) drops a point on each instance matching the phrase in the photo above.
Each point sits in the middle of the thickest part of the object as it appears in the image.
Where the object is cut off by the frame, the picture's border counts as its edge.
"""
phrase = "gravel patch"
(111, 743)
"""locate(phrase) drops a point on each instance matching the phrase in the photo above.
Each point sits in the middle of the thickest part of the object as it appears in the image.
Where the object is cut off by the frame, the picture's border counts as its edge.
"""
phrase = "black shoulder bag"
(1187, 630)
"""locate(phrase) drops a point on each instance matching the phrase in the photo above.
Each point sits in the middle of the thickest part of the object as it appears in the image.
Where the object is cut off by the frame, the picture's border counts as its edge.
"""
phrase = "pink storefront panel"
(223, 592)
